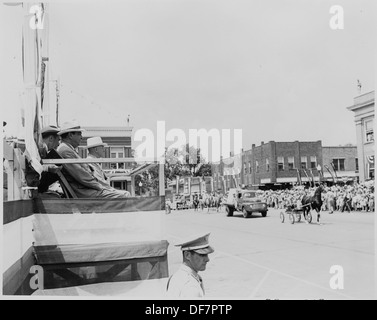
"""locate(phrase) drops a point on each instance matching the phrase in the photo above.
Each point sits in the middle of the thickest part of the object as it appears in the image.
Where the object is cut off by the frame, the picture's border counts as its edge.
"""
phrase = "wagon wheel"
(292, 218)
(282, 217)
(309, 217)
(298, 217)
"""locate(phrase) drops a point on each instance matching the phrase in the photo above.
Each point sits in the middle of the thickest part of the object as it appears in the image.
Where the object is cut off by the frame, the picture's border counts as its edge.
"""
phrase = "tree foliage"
(186, 161)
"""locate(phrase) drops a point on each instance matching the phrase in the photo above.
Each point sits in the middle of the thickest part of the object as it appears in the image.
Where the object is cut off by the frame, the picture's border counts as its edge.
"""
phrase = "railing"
(15, 166)
(147, 164)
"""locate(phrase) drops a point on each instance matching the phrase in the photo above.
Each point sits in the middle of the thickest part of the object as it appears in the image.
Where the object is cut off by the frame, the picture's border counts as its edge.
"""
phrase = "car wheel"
(264, 214)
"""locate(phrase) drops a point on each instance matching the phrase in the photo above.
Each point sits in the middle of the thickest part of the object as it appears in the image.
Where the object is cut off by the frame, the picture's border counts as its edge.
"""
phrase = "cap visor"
(206, 250)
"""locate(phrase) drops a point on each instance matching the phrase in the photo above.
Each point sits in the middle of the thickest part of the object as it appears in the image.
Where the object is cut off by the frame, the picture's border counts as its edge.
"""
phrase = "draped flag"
(312, 176)
(320, 173)
(35, 73)
(328, 169)
(333, 167)
(306, 175)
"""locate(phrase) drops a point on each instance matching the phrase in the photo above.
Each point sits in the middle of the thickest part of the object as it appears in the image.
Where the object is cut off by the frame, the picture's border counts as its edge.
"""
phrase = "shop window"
(291, 163)
(338, 164)
(304, 162)
(313, 162)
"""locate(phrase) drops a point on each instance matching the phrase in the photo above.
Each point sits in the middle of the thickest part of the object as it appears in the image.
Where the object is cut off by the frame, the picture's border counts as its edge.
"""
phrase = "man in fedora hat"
(38, 174)
(96, 149)
(186, 282)
(50, 141)
(81, 177)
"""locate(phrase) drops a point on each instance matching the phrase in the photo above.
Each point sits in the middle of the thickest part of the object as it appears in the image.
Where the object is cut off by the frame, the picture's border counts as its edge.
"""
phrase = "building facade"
(363, 109)
(342, 162)
(276, 165)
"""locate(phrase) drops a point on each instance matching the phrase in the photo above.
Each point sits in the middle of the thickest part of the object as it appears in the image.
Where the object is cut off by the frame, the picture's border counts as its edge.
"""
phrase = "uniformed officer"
(186, 282)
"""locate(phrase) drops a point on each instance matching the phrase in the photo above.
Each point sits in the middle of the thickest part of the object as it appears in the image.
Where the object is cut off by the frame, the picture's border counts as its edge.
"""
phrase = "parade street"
(263, 258)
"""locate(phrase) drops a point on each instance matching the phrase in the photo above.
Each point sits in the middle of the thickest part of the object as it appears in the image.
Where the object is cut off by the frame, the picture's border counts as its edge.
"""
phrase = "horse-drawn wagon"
(294, 214)
(304, 207)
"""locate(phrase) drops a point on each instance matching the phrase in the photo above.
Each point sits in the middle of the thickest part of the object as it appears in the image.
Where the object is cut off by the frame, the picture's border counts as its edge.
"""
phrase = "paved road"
(262, 258)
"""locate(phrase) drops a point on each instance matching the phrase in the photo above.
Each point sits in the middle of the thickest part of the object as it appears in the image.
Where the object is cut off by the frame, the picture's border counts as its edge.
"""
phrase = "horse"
(313, 202)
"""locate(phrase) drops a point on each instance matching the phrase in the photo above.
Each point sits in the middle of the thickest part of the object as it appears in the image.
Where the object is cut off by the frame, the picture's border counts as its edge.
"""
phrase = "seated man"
(81, 176)
(96, 149)
(47, 151)
(38, 175)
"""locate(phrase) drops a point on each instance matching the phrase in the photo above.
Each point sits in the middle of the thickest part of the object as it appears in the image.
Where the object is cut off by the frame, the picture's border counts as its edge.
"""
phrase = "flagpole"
(332, 176)
(333, 166)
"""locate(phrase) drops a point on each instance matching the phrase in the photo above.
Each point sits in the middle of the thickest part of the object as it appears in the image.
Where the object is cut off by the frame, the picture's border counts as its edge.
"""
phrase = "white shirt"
(185, 283)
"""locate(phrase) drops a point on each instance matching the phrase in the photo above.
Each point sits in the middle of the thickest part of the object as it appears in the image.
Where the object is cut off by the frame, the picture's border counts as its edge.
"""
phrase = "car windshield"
(249, 195)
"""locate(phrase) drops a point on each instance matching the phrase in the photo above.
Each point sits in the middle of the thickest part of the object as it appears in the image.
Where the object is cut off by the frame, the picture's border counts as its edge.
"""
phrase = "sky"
(273, 68)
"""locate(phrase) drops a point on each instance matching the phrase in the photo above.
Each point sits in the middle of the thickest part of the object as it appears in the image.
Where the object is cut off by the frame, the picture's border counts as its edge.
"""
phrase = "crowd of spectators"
(356, 197)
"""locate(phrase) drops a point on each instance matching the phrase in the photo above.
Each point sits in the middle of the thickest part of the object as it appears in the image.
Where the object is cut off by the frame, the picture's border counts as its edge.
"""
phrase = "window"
(117, 152)
(250, 167)
(245, 168)
(280, 163)
(291, 163)
(313, 162)
(370, 167)
(357, 164)
(338, 164)
(267, 165)
(304, 161)
(256, 166)
(369, 131)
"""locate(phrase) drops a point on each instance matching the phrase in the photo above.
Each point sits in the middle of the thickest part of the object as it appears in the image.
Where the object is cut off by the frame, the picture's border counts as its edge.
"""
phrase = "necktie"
(201, 283)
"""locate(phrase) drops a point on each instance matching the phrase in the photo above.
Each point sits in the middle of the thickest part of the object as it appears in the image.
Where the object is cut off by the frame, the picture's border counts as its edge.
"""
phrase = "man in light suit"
(96, 149)
(81, 177)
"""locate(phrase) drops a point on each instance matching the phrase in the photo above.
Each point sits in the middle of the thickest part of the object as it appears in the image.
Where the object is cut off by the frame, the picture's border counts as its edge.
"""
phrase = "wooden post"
(132, 185)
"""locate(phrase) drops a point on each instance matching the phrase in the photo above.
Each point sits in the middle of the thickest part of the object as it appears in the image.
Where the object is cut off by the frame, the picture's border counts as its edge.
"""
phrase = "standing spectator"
(371, 203)
(346, 203)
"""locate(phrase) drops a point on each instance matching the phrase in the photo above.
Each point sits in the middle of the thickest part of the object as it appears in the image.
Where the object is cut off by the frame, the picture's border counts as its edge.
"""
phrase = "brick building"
(345, 163)
(281, 164)
(278, 163)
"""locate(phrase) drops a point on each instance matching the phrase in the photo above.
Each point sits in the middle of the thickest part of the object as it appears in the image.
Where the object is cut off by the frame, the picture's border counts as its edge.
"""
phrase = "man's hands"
(54, 169)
